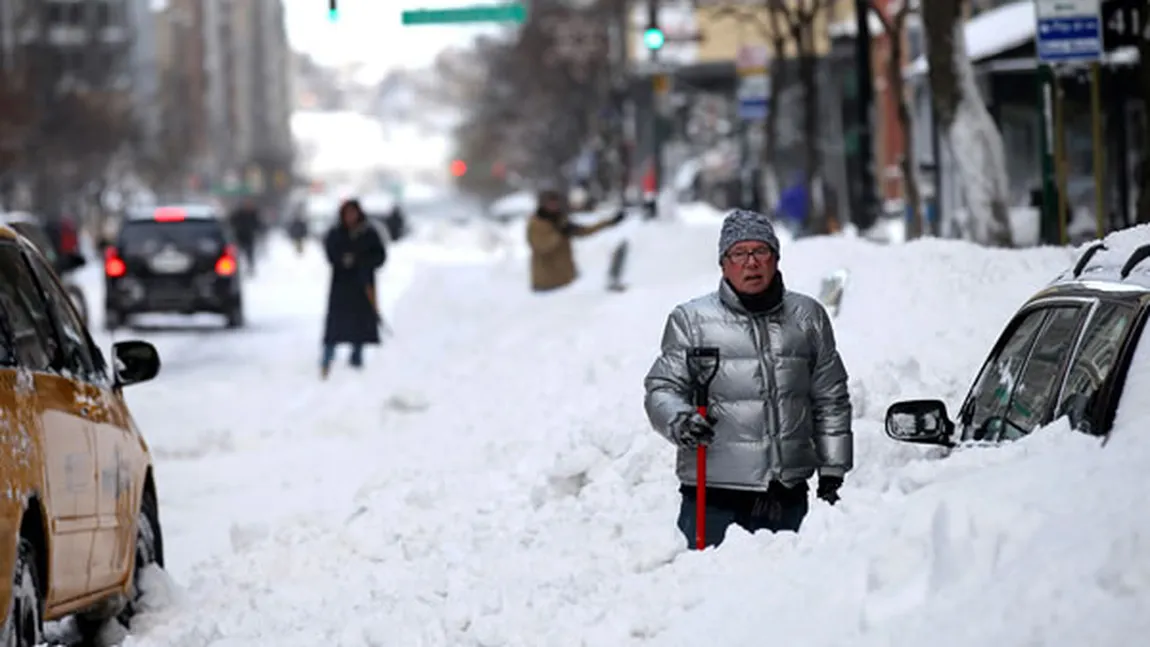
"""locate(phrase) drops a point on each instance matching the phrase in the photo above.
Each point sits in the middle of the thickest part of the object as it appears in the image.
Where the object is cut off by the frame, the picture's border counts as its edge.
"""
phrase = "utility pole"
(867, 212)
(656, 99)
(617, 99)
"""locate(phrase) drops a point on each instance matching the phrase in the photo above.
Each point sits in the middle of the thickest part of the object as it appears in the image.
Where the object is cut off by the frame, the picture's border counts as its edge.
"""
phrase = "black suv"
(1065, 353)
(173, 259)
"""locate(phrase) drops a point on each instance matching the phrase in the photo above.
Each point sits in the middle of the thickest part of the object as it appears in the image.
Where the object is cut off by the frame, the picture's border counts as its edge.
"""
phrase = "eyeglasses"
(741, 257)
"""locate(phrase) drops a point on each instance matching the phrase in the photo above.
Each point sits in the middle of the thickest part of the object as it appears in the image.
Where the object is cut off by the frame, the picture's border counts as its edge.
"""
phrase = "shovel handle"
(701, 491)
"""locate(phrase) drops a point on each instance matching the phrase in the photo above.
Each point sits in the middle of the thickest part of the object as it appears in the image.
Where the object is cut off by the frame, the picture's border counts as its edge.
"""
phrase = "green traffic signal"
(654, 38)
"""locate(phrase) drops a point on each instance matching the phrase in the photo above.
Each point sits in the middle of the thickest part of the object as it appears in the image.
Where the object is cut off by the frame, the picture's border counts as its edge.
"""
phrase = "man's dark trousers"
(778, 509)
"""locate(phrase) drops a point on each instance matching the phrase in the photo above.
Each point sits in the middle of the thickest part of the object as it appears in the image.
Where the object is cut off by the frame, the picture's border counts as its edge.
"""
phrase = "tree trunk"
(802, 30)
(808, 69)
(970, 130)
(1144, 171)
(779, 81)
(906, 123)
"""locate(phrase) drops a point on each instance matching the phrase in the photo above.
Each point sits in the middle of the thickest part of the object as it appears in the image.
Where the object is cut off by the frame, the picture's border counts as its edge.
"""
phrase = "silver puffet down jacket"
(779, 400)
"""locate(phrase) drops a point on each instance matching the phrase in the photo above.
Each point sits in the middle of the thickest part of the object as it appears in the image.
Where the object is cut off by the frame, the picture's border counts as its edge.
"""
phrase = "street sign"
(1125, 23)
(752, 63)
(752, 59)
(1069, 31)
(512, 12)
(754, 93)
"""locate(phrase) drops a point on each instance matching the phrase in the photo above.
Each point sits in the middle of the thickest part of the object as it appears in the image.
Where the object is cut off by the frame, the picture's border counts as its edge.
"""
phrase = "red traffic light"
(458, 168)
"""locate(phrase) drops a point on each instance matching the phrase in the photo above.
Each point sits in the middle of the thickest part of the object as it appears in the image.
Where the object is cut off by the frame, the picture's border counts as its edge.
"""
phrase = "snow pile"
(491, 479)
(477, 240)
(918, 319)
(698, 213)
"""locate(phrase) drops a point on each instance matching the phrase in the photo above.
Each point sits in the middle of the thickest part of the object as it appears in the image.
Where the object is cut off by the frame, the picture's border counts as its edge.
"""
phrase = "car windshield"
(145, 238)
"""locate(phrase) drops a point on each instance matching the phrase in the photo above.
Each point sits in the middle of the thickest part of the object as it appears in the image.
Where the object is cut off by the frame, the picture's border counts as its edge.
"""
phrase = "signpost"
(514, 12)
(751, 63)
(1068, 32)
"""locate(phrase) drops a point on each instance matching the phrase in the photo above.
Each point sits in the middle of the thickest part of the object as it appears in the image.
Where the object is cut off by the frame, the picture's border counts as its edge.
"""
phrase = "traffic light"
(458, 168)
(332, 11)
(654, 38)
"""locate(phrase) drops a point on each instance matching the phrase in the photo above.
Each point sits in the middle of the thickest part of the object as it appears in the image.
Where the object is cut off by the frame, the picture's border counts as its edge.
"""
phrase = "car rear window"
(144, 238)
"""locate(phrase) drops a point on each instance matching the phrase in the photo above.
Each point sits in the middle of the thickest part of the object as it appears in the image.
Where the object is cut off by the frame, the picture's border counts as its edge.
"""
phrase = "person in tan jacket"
(549, 235)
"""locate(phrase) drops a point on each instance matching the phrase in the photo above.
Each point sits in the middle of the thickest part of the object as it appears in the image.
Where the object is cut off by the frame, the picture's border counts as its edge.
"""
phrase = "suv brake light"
(226, 265)
(114, 266)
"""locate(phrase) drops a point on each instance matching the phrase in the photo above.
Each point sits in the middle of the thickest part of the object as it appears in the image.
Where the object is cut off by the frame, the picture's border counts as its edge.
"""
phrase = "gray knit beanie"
(743, 224)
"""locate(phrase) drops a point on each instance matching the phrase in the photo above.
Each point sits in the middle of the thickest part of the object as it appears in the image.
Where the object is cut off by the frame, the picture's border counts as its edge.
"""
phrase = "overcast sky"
(369, 32)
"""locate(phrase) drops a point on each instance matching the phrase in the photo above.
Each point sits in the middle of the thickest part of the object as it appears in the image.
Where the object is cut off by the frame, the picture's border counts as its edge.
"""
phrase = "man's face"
(551, 205)
(750, 266)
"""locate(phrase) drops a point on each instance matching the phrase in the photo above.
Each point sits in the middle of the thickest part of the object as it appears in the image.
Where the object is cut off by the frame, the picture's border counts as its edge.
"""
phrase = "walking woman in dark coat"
(355, 250)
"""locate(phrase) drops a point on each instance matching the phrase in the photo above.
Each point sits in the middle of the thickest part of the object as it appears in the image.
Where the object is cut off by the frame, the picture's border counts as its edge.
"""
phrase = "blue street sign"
(1069, 39)
(753, 108)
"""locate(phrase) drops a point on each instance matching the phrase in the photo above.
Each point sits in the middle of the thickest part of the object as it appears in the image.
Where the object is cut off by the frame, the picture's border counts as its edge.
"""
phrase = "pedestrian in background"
(355, 251)
(549, 234)
(245, 220)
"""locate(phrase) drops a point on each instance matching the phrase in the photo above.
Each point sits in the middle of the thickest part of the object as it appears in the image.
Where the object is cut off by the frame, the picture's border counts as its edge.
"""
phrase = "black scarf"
(765, 301)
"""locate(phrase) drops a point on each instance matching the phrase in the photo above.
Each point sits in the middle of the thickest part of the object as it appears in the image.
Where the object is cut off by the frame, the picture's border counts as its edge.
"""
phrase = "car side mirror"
(133, 362)
(920, 421)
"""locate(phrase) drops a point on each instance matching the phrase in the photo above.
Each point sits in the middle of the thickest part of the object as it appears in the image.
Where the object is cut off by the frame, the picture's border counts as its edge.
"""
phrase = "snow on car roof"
(1102, 263)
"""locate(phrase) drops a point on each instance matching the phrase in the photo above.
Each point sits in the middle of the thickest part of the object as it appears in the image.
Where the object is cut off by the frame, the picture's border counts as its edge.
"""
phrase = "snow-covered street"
(490, 478)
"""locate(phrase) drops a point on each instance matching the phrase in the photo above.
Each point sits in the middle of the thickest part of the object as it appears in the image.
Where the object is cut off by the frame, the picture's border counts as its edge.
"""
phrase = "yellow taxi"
(79, 521)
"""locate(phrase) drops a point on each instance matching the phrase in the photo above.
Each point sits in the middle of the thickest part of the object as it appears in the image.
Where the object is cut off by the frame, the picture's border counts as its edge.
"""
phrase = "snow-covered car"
(79, 522)
(1065, 353)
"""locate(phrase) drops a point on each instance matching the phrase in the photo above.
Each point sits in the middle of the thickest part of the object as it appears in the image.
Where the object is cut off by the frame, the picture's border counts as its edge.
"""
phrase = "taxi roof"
(12, 217)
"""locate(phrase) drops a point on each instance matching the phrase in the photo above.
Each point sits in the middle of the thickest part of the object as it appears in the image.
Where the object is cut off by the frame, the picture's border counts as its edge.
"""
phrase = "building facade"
(237, 60)
(66, 55)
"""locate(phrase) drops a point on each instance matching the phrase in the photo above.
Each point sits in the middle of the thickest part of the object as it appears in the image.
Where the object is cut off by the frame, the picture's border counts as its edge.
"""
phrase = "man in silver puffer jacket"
(779, 408)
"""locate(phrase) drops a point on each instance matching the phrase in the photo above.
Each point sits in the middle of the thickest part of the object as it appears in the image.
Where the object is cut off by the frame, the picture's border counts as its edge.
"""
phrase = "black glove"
(569, 229)
(829, 488)
(691, 430)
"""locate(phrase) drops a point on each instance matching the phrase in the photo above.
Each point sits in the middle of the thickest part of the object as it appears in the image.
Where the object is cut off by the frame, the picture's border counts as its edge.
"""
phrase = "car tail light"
(226, 265)
(114, 266)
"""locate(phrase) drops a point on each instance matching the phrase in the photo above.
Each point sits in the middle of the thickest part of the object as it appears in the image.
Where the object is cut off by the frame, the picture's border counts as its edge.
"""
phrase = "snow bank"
(514, 206)
(492, 480)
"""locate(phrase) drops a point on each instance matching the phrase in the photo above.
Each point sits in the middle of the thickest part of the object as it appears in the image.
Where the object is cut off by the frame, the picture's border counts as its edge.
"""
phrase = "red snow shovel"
(702, 364)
